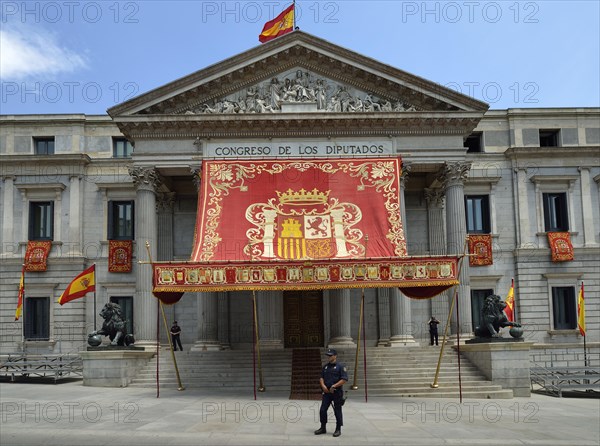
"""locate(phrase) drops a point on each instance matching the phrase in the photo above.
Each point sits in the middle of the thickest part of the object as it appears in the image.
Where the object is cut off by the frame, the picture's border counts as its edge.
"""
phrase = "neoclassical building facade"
(133, 174)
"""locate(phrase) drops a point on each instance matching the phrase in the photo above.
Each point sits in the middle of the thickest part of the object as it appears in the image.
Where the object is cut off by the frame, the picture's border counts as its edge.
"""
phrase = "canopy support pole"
(261, 384)
(435, 384)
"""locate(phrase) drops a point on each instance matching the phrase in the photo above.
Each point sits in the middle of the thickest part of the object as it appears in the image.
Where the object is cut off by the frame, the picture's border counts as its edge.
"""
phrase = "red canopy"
(301, 224)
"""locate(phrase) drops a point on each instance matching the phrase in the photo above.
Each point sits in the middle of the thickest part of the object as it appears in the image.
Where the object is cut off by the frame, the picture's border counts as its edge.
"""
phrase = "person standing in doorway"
(333, 377)
(433, 330)
(175, 336)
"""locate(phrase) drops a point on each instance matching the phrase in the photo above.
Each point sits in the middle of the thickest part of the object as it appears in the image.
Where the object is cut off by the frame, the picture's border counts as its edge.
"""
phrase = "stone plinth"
(503, 363)
(112, 368)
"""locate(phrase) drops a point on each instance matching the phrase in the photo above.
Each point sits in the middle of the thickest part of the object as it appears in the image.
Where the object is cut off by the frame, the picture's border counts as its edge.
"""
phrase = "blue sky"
(85, 57)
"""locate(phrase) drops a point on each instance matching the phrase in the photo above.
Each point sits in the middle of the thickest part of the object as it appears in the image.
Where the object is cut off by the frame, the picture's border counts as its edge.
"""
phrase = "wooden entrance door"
(303, 319)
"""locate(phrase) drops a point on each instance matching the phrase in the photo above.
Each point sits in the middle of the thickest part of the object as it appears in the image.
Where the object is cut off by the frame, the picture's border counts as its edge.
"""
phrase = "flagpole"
(294, 15)
(23, 312)
(585, 361)
(95, 307)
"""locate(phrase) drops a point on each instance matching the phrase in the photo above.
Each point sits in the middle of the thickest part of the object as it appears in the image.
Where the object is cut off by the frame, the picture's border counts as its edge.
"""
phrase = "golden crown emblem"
(303, 197)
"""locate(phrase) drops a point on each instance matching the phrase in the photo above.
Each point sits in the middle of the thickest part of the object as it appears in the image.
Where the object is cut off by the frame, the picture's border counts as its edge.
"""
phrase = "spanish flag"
(581, 311)
(510, 302)
(279, 26)
(19, 310)
(80, 286)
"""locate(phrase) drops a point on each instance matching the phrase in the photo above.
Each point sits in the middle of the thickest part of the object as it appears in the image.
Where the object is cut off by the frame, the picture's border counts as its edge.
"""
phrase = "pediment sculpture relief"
(297, 86)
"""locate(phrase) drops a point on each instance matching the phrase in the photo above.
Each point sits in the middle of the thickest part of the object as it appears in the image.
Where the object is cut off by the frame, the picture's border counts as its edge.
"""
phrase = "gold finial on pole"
(434, 384)
(261, 384)
(180, 385)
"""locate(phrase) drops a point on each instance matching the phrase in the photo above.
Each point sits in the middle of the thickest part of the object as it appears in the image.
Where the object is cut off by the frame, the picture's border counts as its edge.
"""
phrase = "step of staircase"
(400, 372)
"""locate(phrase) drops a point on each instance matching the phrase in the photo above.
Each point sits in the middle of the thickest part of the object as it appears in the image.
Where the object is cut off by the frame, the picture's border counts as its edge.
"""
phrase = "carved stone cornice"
(145, 178)
(298, 125)
(434, 197)
(165, 202)
(406, 168)
(454, 174)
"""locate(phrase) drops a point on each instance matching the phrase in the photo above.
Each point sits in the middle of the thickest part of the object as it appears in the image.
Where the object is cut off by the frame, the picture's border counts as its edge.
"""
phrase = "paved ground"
(70, 414)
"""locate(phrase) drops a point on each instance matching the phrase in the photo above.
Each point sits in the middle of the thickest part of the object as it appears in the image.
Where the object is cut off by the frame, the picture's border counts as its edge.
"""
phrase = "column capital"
(455, 173)
(196, 175)
(434, 197)
(165, 202)
(406, 168)
(145, 178)
(9, 178)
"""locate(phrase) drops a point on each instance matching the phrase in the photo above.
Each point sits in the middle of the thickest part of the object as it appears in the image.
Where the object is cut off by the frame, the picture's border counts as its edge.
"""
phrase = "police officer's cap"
(331, 352)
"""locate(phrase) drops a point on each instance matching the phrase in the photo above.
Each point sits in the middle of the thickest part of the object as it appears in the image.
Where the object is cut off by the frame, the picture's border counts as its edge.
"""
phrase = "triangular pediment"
(298, 73)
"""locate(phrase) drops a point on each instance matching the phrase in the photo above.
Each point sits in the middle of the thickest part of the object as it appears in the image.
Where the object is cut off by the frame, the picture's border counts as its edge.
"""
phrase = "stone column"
(165, 203)
(208, 316)
(400, 305)
(146, 182)
(75, 216)
(522, 207)
(223, 324)
(10, 244)
(587, 207)
(383, 312)
(453, 178)
(437, 242)
(269, 305)
(339, 307)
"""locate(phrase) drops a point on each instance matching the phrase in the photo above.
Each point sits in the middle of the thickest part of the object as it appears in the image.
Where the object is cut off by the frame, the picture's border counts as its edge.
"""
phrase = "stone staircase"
(403, 372)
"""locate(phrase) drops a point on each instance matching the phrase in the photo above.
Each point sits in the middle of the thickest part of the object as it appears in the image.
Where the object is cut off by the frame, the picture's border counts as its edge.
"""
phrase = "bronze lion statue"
(114, 326)
(493, 318)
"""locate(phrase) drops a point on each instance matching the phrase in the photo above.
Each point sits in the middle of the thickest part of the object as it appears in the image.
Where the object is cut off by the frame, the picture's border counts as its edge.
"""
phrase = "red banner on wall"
(480, 246)
(36, 255)
(561, 246)
(120, 253)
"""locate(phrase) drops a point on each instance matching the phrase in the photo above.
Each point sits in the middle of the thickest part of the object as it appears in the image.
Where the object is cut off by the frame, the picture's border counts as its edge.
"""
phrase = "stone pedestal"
(503, 363)
(112, 368)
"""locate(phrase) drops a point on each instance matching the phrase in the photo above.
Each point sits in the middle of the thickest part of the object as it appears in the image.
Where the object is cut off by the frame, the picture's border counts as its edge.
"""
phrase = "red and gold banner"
(271, 210)
(79, 286)
(37, 255)
(120, 253)
(480, 246)
(560, 246)
(438, 271)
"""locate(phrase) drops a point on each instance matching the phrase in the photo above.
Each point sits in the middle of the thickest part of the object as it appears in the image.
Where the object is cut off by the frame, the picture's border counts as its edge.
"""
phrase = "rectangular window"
(37, 318)
(121, 220)
(549, 138)
(477, 212)
(44, 146)
(41, 220)
(555, 212)
(126, 304)
(477, 299)
(122, 148)
(473, 143)
(564, 308)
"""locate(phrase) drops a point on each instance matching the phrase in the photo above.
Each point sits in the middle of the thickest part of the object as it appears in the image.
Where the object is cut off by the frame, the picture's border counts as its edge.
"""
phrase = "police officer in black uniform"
(333, 377)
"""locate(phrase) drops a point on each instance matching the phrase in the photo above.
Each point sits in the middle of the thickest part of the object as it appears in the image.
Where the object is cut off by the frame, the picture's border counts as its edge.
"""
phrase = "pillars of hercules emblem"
(400, 308)
(146, 182)
(453, 177)
(338, 230)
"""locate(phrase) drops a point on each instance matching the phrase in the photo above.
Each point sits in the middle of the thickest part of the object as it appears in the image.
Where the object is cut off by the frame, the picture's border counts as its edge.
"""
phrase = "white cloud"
(30, 52)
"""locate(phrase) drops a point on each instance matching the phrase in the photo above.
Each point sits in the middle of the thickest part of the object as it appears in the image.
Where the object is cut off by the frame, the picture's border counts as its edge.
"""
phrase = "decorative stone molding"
(145, 178)
(454, 173)
(297, 86)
